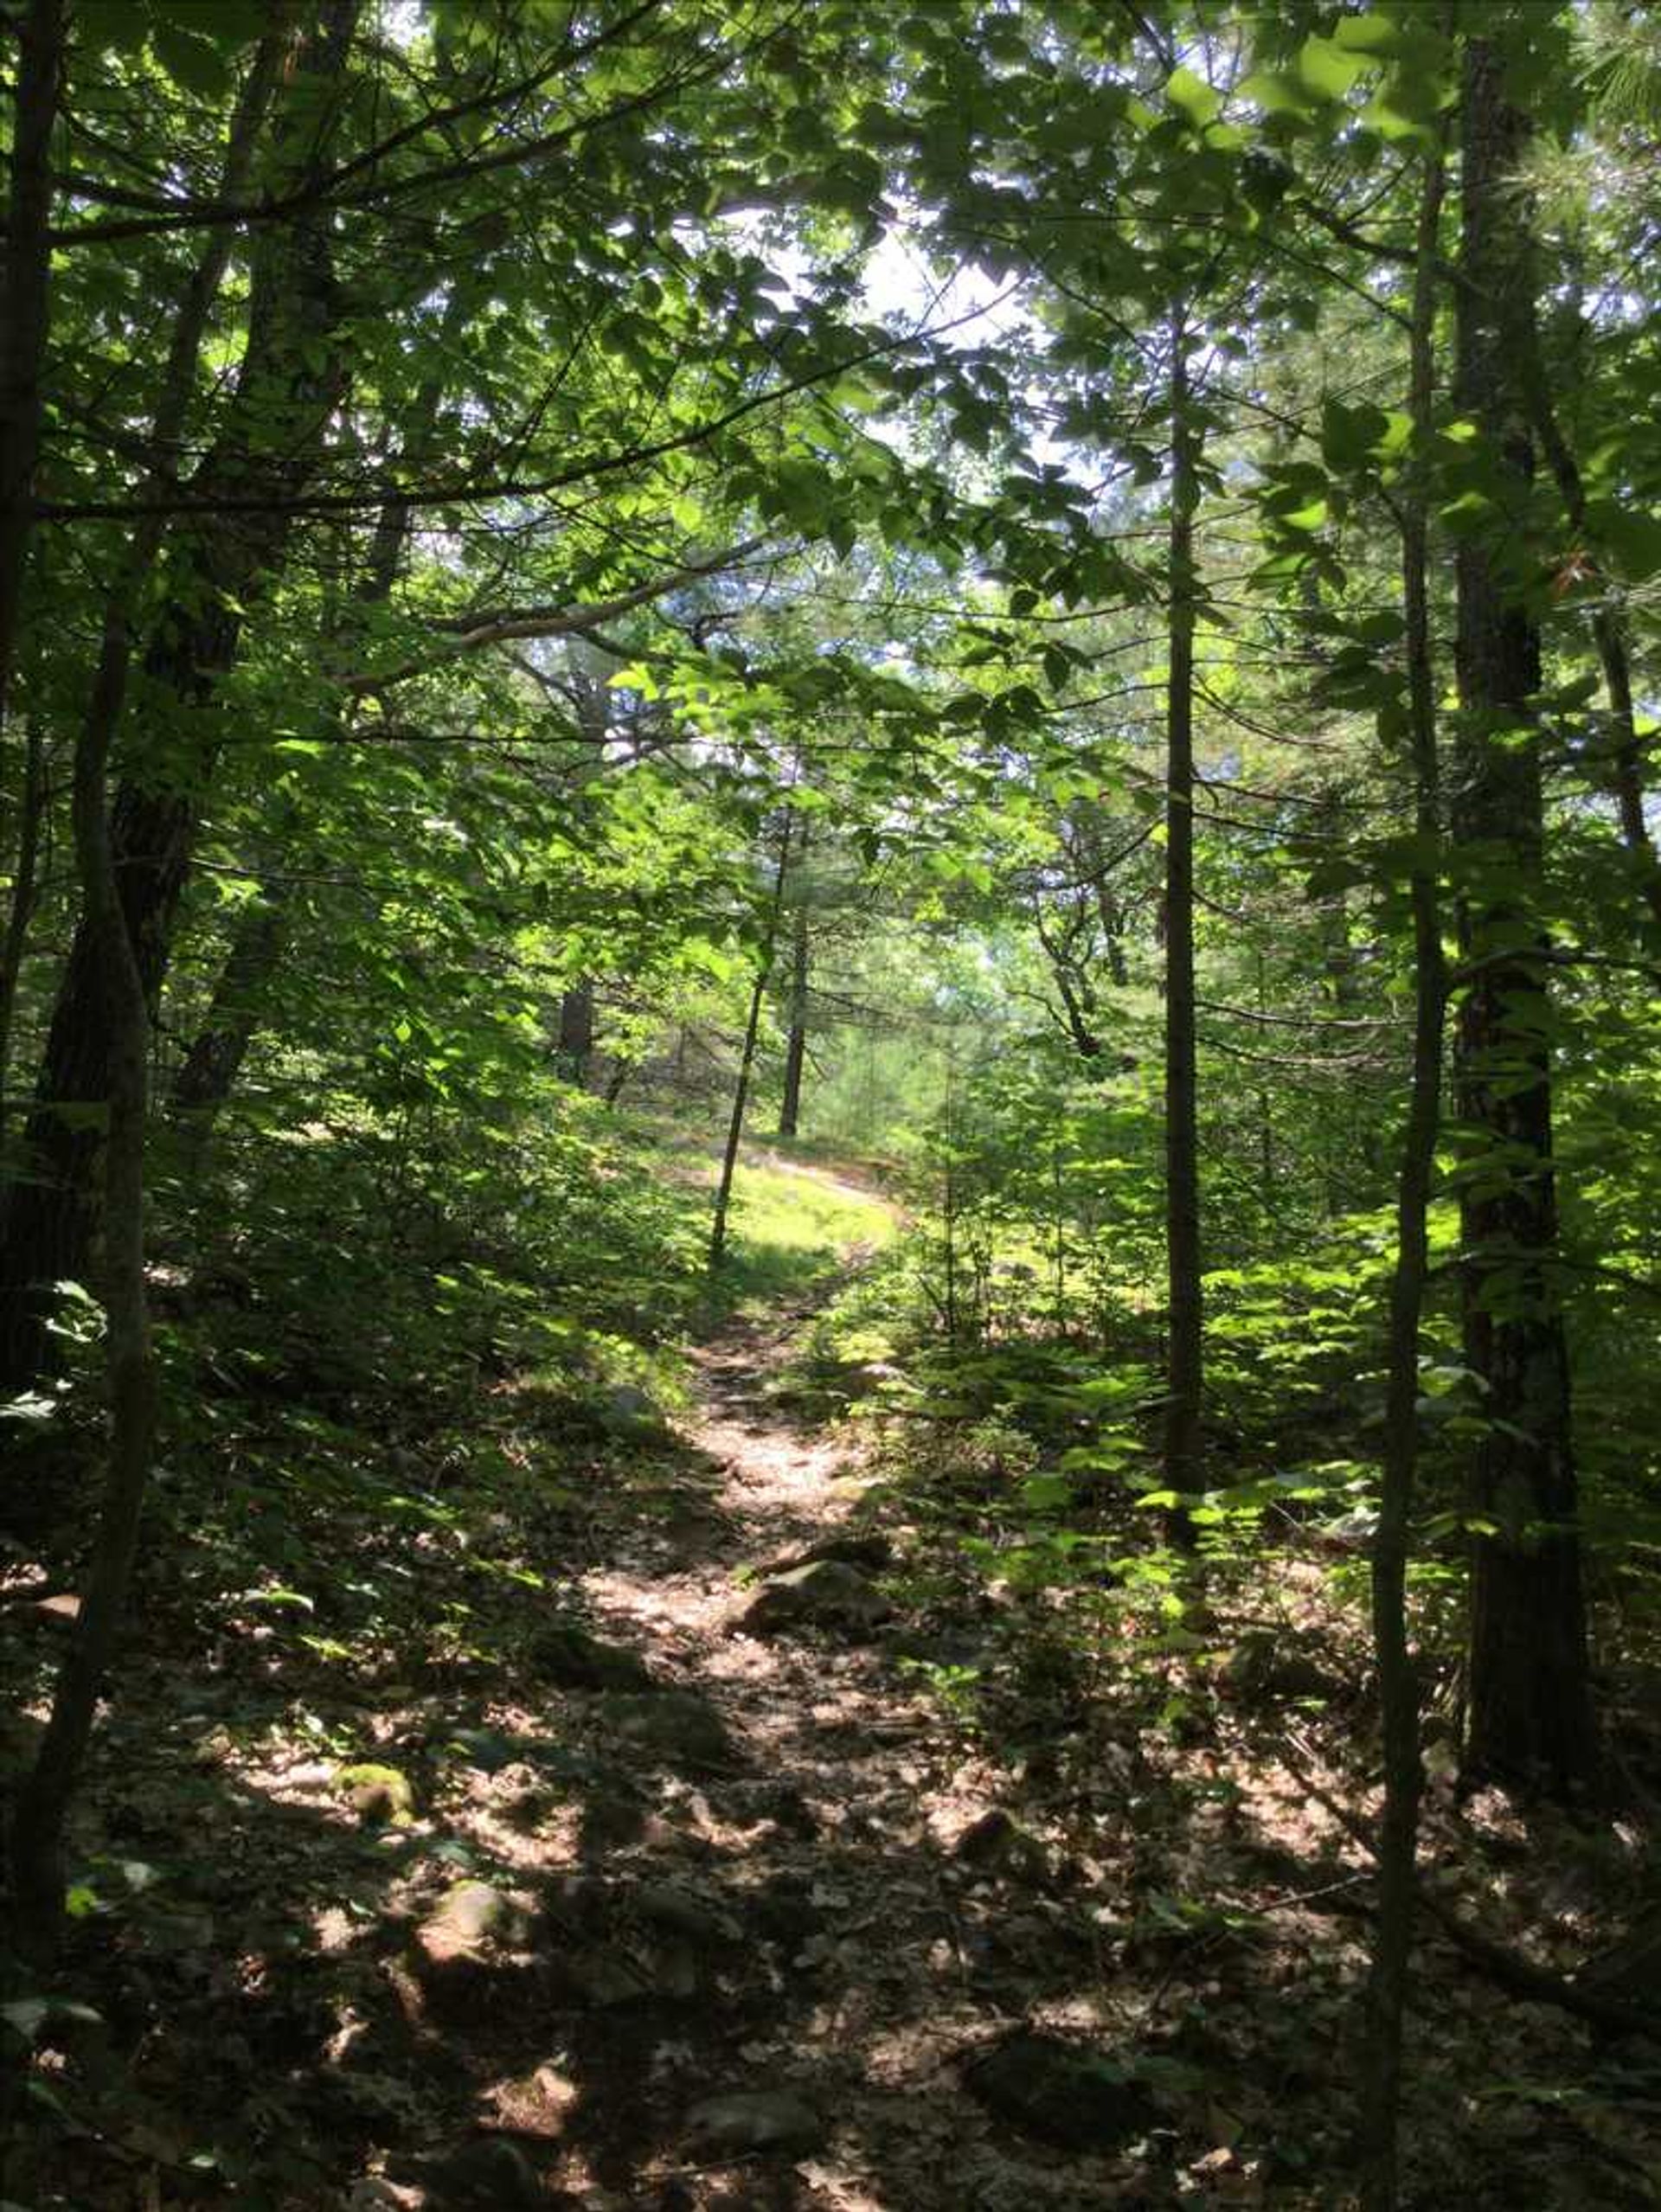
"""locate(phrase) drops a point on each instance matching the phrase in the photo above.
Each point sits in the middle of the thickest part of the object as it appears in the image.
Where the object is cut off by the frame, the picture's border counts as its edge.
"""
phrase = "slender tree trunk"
(1398, 1686)
(790, 1112)
(210, 1071)
(31, 820)
(25, 307)
(590, 667)
(1626, 753)
(44, 1802)
(271, 442)
(576, 1046)
(746, 1058)
(1184, 1375)
(117, 971)
(1529, 1717)
(211, 1068)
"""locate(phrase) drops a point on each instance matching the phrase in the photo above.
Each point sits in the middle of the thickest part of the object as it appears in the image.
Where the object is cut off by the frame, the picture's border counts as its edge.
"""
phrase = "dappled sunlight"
(830, 1244)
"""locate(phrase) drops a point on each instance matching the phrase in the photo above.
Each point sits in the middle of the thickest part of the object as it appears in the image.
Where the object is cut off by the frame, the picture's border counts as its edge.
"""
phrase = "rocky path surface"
(777, 1947)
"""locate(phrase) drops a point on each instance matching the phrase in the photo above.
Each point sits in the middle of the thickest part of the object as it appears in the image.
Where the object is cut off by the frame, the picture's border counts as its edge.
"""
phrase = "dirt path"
(592, 1891)
(573, 1886)
(816, 1959)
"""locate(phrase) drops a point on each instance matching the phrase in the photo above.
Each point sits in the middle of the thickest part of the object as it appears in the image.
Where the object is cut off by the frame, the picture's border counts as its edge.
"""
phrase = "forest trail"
(780, 1967)
(834, 2000)
(571, 1883)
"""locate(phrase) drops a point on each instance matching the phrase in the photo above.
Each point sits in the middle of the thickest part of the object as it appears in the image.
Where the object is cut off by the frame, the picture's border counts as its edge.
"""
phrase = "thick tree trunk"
(1184, 1373)
(25, 307)
(270, 444)
(208, 1074)
(1398, 1841)
(1529, 1705)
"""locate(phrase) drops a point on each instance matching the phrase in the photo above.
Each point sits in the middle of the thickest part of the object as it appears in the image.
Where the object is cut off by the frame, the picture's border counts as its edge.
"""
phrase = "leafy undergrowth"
(396, 1888)
(403, 1419)
(796, 1227)
(1198, 1738)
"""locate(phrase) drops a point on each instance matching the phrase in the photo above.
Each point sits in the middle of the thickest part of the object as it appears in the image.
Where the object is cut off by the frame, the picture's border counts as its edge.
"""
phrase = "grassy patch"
(793, 1227)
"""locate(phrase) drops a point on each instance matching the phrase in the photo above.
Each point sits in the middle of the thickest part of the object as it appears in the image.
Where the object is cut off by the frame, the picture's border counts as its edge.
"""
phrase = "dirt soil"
(695, 1916)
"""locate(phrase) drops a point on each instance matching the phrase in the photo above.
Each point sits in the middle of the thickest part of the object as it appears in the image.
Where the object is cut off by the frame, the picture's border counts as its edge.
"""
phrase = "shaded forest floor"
(725, 1830)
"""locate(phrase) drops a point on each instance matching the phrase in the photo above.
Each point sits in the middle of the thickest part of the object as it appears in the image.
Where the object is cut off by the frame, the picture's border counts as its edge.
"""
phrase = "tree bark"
(25, 308)
(1387, 1986)
(269, 443)
(37, 1830)
(1529, 1715)
(1184, 1373)
(31, 819)
(801, 948)
(746, 1058)
(576, 1046)
(209, 1071)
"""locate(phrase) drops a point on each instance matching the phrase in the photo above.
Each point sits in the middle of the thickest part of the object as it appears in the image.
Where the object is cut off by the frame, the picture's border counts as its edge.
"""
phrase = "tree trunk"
(1626, 752)
(747, 1059)
(577, 1031)
(1398, 1686)
(1184, 1375)
(25, 866)
(1529, 1718)
(270, 444)
(790, 1112)
(208, 1074)
(25, 307)
(42, 1803)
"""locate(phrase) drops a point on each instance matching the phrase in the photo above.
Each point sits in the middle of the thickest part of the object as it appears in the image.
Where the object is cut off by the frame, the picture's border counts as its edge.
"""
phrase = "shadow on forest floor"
(585, 1896)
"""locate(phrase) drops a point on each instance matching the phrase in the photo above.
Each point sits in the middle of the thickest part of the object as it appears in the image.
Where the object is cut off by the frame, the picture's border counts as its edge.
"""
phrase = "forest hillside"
(830, 1286)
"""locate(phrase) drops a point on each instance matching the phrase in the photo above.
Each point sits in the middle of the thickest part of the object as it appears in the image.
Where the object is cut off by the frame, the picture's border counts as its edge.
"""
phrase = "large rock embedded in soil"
(748, 2121)
(1061, 2092)
(826, 1594)
(568, 1657)
(470, 1952)
(683, 1730)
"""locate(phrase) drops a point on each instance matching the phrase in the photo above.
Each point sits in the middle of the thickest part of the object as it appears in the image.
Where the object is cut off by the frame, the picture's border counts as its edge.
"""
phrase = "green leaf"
(1196, 99)
(1631, 534)
(1381, 628)
(195, 65)
(232, 22)
(1406, 104)
(28, 2014)
(123, 24)
(1277, 93)
(1327, 69)
(1372, 33)
(1351, 435)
